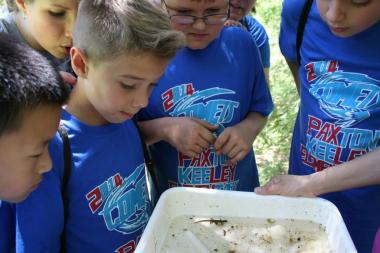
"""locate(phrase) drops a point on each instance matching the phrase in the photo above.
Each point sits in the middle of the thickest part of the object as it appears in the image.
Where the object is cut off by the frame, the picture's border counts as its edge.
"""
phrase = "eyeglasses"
(211, 19)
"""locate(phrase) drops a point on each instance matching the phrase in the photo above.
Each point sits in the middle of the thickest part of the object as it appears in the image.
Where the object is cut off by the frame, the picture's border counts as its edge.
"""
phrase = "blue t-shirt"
(7, 227)
(260, 36)
(220, 84)
(108, 205)
(339, 114)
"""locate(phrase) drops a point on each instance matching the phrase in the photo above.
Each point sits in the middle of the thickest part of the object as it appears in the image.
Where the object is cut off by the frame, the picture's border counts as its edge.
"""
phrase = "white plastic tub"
(182, 201)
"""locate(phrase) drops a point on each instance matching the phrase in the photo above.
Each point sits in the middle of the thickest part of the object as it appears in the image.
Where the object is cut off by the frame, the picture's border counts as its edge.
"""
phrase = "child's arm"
(188, 135)
(363, 171)
(294, 68)
(236, 141)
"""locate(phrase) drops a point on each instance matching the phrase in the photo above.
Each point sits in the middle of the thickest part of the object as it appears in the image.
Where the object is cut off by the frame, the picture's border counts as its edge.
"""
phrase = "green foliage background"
(272, 146)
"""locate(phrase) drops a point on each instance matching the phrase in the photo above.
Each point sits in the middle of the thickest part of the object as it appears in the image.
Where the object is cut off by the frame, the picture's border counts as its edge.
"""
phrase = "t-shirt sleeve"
(257, 30)
(261, 100)
(39, 219)
(290, 14)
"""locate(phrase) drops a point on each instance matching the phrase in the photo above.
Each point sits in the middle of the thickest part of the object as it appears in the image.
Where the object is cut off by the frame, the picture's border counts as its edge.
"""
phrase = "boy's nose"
(69, 28)
(336, 12)
(199, 24)
(45, 163)
(141, 101)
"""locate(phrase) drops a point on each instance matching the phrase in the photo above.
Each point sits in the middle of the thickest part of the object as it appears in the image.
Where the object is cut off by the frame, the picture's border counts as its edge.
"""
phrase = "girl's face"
(49, 24)
(200, 33)
(349, 17)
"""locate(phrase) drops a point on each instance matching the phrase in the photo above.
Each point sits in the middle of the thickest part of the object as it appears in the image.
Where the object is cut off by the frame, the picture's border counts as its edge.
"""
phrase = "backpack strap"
(66, 175)
(301, 27)
(148, 159)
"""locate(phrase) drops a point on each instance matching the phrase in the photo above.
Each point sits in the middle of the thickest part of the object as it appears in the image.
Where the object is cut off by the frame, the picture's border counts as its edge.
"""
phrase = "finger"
(239, 156)
(271, 188)
(205, 124)
(221, 141)
(206, 136)
(203, 143)
(68, 78)
(228, 147)
(189, 153)
(233, 153)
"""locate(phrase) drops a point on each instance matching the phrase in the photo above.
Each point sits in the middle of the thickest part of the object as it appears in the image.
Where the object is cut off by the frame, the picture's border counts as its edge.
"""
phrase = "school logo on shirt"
(344, 96)
(207, 169)
(122, 202)
(347, 99)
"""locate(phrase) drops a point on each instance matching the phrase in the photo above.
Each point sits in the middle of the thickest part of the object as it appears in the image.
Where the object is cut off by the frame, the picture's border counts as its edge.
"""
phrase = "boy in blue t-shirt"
(30, 104)
(210, 104)
(121, 48)
(32, 94)
(336, 137)
(240, 16)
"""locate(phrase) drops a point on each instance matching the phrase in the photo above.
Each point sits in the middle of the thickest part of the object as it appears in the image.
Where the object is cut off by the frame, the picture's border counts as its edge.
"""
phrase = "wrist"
(316, 182)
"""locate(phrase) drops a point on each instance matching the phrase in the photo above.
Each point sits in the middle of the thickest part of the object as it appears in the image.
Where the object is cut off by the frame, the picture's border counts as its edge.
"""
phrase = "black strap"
(301, 27)
(66, 176)
(148, 160)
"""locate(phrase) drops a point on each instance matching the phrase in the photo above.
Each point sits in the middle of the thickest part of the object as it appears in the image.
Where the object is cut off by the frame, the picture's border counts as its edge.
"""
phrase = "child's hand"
(235, 142)
(191, 136)
(68, 78)
(231, 22)
(287, 185)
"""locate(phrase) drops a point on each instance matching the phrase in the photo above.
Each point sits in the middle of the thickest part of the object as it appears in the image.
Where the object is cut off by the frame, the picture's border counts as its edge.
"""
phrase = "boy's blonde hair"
(107, 28)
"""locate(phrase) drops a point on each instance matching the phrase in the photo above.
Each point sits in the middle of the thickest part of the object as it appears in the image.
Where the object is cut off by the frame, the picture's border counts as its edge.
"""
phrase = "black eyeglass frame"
(204, 18)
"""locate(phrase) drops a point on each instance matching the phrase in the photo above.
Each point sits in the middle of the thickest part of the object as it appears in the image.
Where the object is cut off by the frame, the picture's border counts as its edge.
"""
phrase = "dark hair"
(27, 80)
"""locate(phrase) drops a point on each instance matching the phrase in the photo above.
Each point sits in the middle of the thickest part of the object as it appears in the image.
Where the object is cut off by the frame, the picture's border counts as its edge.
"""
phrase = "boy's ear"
(21, 5)
(79, 62)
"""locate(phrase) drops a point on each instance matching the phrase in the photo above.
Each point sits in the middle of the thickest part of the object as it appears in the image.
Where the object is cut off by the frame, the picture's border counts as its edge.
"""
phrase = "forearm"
(253, 124)
(294, 67)
(359, 172)
(155, 130)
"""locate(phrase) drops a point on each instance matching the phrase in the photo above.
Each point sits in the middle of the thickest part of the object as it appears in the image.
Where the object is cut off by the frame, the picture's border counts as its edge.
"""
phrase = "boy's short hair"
(108, 28)
(27, 80)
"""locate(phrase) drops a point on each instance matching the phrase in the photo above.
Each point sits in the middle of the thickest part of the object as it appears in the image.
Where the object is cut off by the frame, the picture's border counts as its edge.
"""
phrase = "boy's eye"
(183, 12)
(360, 2)
(58, 14)
(213, 10)
(127, 86)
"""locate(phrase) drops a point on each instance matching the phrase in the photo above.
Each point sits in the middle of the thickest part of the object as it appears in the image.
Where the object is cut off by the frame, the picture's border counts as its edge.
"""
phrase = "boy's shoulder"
(236, 37)
(292, 8)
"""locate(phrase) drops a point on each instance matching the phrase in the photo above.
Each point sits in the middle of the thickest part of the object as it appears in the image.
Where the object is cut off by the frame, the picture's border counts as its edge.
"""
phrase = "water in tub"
(239, 235)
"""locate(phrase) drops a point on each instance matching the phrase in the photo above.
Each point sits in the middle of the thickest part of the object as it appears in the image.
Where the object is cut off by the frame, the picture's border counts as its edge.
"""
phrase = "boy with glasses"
(210, 104)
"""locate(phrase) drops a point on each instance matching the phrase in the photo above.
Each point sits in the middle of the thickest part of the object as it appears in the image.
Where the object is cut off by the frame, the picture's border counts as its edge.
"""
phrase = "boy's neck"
(80, 107)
